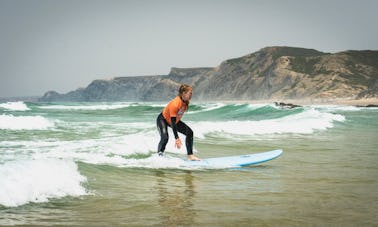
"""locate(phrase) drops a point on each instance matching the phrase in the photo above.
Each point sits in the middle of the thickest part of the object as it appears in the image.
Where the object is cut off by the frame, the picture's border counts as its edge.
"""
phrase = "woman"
(171, 116)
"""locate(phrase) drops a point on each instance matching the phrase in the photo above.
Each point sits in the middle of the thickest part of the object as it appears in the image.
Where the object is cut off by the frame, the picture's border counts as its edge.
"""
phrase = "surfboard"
(236, 161)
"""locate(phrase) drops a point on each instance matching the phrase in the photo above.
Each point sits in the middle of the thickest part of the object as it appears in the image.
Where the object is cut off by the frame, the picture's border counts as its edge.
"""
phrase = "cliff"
(270, 73)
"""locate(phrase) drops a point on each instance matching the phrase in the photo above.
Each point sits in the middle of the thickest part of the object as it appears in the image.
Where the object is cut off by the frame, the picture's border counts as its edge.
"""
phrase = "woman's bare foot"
(193, 158)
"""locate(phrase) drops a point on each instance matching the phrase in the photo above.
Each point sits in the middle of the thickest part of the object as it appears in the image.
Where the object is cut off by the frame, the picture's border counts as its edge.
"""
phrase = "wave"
(28, 181)
(219, 112)
(343, 108)
(167, 162)
(305, 122)
(128, 137)
(101, 106)
(135, 149)
(199, 108)
(194, 109)
(24, 122)
(86, 107)
(15, 106)
(127, 150)
(94, 151)
(207, 109)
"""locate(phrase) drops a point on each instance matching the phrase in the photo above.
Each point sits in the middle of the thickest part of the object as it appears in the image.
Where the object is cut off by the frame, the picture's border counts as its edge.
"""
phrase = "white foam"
(116, 150)
(305, 123)
(154, 162)
(28, 181)
(14, 106)
(260, 105)
(95, 151)
(207, 107)
(112, 150)
(337, 108)
(24, 122)
(87, 107)
(165, 162)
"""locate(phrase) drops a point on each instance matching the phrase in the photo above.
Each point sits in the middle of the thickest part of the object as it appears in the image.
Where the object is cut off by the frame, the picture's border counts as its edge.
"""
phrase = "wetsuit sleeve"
(174, 127)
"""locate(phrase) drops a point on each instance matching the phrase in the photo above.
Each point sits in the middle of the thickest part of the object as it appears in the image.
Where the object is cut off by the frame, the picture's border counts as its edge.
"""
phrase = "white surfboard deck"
(236, 161)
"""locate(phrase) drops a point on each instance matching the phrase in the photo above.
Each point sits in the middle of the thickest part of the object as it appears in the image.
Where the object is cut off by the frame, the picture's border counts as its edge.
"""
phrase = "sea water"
(95, 164)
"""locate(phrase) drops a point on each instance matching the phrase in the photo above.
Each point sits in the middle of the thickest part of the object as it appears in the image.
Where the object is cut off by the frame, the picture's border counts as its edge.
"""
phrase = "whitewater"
(66, 153)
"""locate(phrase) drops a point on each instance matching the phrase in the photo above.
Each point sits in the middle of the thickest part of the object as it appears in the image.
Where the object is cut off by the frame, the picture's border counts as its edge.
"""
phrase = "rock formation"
(270, 73)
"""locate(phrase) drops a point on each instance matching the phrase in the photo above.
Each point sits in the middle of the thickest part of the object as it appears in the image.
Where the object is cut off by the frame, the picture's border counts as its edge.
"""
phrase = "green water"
(327, 177)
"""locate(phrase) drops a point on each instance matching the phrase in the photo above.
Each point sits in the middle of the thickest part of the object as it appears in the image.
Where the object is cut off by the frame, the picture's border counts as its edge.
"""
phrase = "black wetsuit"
(181, 127)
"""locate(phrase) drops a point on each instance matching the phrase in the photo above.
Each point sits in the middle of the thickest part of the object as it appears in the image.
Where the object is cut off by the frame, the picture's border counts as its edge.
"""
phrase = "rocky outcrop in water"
(270, 73)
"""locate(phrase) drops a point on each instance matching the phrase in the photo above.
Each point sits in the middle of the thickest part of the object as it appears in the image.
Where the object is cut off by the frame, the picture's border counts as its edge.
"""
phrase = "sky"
(63, 45)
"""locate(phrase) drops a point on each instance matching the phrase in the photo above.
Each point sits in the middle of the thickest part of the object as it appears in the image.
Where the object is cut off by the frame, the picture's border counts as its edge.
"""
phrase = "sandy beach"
(307, 102)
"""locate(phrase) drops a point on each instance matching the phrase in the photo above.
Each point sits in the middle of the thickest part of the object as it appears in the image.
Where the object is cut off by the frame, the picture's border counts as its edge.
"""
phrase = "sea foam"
(87, 107)
(28, 181)
(14, 106)
(303, 123)
(24, 122)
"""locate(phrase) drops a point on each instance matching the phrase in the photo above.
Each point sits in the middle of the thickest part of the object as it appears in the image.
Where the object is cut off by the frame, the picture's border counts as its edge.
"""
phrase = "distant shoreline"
(302, 102)
(21, 98)
(308, 102)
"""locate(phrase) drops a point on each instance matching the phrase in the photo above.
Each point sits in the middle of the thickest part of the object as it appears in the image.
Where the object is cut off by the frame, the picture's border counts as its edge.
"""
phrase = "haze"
(63, 45)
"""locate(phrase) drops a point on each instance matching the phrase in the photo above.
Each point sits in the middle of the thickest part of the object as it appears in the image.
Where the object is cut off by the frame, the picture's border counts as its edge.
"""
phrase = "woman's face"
(186, 96)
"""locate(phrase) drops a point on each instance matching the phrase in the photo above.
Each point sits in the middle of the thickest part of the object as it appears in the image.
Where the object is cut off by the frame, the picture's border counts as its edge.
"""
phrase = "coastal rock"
(286, 105)
(368, 106)
(270, 73)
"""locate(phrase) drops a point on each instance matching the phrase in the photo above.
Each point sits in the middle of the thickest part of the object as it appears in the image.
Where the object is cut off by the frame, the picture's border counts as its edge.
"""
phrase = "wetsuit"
(171, 116)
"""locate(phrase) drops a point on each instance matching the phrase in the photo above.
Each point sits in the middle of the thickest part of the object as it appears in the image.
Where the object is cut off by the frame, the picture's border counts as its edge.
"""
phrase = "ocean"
(95, 164)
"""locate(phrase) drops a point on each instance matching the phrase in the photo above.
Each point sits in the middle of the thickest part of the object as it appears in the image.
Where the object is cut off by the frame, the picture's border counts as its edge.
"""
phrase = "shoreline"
(303, 102)
(309, 102)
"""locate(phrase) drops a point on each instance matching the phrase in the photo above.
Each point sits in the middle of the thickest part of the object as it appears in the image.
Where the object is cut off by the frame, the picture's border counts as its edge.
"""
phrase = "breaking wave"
(24, 122)
(15, 106)
(26, 181)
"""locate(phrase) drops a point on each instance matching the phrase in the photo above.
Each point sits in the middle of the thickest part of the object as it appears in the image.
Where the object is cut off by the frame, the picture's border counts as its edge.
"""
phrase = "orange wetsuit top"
(175, 108)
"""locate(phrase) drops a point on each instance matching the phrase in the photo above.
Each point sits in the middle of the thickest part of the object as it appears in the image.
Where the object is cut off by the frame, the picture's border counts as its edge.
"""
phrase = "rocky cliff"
(270, 73)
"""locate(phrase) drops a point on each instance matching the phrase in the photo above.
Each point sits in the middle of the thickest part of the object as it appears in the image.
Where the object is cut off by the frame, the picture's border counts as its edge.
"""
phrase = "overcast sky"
(63, 45)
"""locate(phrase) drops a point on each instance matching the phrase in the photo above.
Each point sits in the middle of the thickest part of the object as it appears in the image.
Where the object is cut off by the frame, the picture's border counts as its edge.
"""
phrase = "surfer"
(171, 116)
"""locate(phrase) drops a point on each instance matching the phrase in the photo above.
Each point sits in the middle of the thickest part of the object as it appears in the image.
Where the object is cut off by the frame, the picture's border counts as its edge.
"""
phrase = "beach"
(308, 102)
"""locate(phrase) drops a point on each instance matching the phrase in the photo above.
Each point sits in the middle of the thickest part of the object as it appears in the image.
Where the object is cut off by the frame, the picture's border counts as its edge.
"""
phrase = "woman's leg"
(162, 128)
(188, 132)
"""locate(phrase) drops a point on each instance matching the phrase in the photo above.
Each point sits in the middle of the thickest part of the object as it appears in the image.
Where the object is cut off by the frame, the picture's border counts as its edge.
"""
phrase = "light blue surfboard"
(236, 161)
